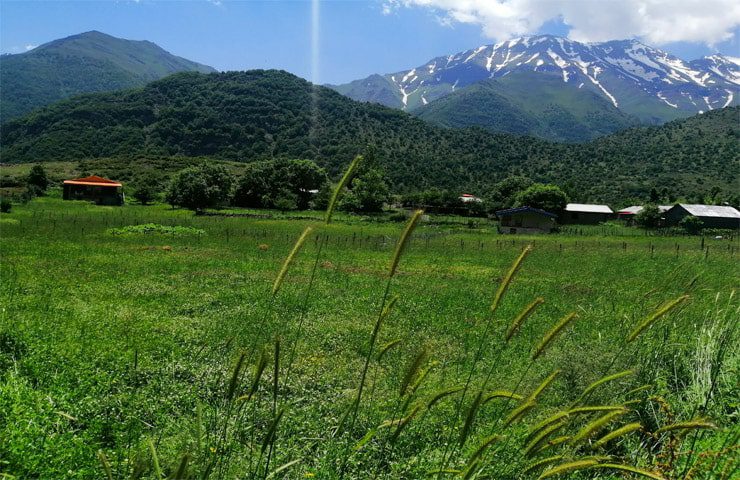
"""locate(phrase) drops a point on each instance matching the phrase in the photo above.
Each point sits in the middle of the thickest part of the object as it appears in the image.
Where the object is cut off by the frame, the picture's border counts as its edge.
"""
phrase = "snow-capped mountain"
(639, 80)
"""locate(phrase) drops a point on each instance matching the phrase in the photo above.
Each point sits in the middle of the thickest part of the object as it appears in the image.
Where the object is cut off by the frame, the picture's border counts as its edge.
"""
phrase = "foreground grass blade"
(523, 315)
(509, 277)
(340, 186)
(631, 469)
(567, 468)
(289, 259)
(106, 465)
(404, 240)
(653, 317)
(550, 336)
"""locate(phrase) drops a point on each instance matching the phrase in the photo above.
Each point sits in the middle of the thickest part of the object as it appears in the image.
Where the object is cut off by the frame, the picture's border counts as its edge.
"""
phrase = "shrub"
(649, 216)
(5, 205)
(691, 224)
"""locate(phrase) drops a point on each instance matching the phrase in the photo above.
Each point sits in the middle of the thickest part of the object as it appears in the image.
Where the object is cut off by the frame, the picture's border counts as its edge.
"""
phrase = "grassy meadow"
(138, 354)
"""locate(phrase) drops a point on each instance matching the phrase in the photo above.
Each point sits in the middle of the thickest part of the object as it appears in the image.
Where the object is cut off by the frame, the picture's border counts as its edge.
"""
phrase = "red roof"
(93, 180)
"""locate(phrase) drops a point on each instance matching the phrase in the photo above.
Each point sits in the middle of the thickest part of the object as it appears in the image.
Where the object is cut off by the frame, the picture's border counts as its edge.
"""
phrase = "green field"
(127, 343)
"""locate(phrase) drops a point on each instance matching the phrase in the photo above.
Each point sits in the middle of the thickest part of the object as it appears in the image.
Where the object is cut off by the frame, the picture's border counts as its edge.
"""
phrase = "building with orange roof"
(96, 189)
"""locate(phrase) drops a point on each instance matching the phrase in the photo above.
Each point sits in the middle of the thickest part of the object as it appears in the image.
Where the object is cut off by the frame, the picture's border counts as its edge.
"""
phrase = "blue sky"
(356, 37)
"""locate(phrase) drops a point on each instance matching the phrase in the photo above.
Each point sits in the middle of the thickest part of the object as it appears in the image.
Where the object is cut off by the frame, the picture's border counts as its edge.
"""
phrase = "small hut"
(96, 189)
(525, 220)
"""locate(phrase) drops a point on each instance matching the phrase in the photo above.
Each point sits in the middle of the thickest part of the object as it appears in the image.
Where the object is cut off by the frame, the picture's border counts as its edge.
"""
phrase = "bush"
(649, 216)
(5, 205)
(691, 224)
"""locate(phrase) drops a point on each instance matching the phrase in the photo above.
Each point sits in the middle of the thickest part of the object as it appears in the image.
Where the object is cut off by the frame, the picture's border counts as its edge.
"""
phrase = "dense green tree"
(37, 179)
(146, 190)
(504, 192)
(649, 216)
(287, 182)
(197, 188)
(368, 190)
(368, 193)
(546, 197)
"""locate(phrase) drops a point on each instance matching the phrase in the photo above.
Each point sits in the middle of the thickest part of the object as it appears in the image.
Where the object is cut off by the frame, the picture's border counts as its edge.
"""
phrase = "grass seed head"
(404, 240)
(552, 333)
(289, 259)
(340, 186)
(509, 277)
(523, 315)
(653, 317)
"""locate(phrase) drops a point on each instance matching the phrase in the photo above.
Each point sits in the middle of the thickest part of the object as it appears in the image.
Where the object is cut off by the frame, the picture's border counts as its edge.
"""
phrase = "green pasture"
(123, 342)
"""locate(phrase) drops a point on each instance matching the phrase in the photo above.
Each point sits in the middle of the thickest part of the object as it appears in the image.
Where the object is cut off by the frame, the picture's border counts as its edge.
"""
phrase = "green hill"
(529, 103)
(88, 62)
(245, 116)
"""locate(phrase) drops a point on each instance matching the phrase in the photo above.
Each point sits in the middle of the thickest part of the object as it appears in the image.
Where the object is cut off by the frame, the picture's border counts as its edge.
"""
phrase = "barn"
(525, 220)
(96, 189)
(712, 216)
(586, 214)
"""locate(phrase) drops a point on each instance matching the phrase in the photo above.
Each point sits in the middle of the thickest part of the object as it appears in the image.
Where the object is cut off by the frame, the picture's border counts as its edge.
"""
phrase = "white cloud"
(655, 21)
(30, 47)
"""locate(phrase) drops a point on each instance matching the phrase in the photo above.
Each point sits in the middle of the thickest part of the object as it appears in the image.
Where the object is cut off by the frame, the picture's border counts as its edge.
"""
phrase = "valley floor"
(114, 345)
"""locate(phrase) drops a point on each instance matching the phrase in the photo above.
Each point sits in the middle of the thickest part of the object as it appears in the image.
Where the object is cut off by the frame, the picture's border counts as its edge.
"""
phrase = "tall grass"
(256, 415)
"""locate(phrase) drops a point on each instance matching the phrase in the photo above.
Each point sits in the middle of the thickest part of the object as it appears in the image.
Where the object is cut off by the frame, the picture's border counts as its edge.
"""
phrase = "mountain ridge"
(83, 63)
(639, 80)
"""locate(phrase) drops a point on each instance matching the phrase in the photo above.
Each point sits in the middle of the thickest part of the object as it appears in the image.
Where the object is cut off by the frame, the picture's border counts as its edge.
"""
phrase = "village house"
(525, 220)
(467, 197)
(586, 214)
(712, 216)
(96, 189)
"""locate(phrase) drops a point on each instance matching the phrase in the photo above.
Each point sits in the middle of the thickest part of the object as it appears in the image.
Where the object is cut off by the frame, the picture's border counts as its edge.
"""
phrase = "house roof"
(587, 208)
(635, 209)
(511, 211)
(711, 211)
(93, 180)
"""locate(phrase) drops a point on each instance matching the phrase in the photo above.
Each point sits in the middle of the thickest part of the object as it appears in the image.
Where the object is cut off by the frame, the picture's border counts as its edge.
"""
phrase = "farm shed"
(712, 216)
(583, 213)
(525, 220)
(629, 213)
(96, 189)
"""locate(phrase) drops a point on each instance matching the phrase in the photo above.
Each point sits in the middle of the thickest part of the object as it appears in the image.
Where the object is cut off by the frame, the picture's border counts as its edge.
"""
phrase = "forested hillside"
(88, 62)
(245, 116)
